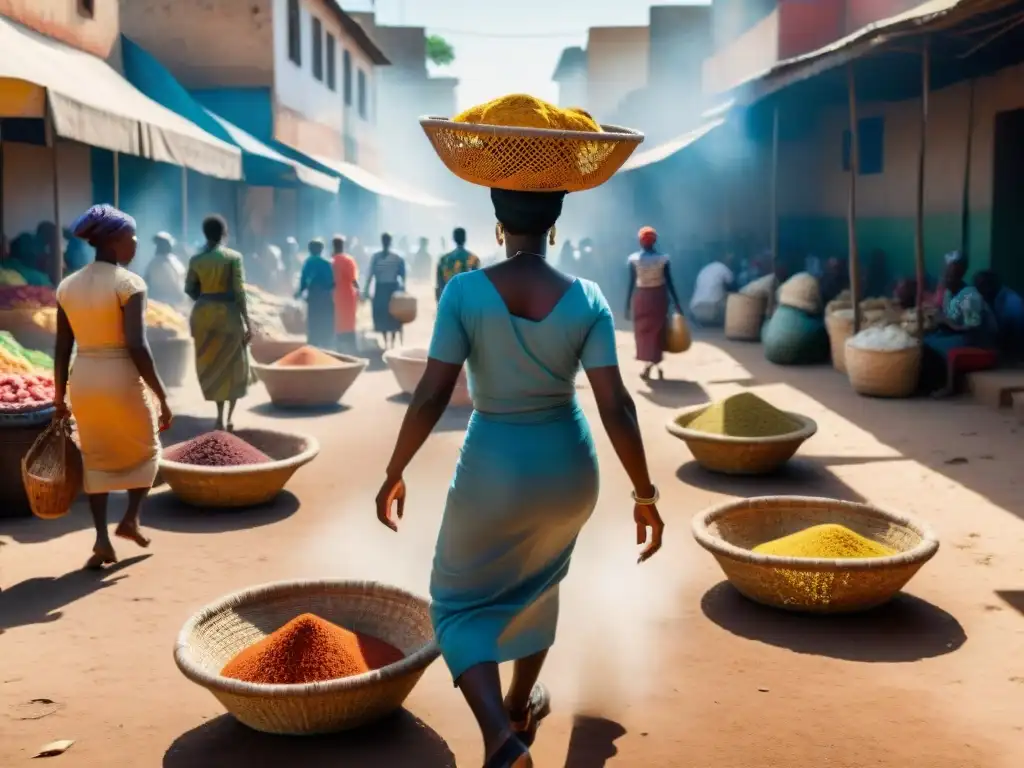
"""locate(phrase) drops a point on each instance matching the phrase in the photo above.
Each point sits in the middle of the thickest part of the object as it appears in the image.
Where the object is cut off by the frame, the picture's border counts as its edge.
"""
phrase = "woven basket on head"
(52, 471)
(883, 373)
(402, 307)
(530, 159)
(740, 455)
(268, 350)
(831, 585)
(744, 316)
(408, 366)
(247, 485)
(310, 386)
(173, 357)
(220, 631)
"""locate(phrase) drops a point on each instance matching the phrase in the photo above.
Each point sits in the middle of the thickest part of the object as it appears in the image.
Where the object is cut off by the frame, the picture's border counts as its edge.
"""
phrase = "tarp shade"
(669, 148)
(91, 103)
(262, 166)
(373, 183)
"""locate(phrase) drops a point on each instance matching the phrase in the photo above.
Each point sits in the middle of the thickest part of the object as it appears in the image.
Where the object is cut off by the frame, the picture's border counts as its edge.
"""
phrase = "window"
(871, 140)
(87, 8)
(346, 77)
(318, 49)
(294, 32)
(332, 65)
(361, 94)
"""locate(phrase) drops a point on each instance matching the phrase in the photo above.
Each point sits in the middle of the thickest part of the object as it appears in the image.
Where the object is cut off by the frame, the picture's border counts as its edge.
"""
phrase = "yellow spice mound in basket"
(522, 111)
(743, 415)
(824, 541)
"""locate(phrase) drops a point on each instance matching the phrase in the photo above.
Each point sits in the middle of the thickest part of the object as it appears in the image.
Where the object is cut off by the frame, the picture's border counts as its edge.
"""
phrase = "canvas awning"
(90, 102)
(669, 148)
(373, 183)
(262, 165)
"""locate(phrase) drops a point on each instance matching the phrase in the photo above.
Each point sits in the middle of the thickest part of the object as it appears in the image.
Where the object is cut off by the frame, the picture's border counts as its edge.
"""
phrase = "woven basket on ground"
(731, 530)
(740, 455)
(883, 373)
(744, 316)
(17, 435)
(310, 386)
(52, 471)
(840, 328)
(174, 358)
(801, 291)
(408, 366)
(244, 486)
(402, 307)
(269, 350)
(530, 158)
(218, 632)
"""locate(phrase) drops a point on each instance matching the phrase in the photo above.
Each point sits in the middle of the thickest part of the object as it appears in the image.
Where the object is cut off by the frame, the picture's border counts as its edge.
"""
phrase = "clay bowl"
(408, 365)
(310, 386)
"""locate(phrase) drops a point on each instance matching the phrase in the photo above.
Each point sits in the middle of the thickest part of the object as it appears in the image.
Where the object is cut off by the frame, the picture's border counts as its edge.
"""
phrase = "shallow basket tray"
(730, 531)
(740, 455)
(532, 159)
(219, 631)
(408, 366)
(310, 386)
(246, 486)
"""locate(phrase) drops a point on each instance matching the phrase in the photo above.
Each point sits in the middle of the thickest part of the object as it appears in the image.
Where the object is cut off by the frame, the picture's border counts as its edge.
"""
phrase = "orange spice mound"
(307, 356)
(309, 649)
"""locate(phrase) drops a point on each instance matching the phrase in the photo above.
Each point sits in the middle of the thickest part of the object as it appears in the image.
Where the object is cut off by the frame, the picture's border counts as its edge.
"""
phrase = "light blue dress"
(527, 477)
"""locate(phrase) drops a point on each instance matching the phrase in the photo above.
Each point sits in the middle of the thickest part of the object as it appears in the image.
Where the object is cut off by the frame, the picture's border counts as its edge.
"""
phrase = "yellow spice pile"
(824, 541)
(743, 415)
(523, 111)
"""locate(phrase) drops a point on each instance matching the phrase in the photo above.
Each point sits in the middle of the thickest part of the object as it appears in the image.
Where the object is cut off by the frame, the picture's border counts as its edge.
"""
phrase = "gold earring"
(551, 235)
(499, 233)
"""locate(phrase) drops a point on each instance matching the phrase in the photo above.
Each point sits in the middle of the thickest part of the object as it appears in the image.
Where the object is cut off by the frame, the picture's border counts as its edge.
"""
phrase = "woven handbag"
(52, 471)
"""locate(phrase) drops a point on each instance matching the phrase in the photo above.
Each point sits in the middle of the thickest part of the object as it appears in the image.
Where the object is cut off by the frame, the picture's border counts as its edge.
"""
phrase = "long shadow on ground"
(400, 741)
(274, 412)
(592, 743)
(905, 629)
(164, 512)
(39, 600)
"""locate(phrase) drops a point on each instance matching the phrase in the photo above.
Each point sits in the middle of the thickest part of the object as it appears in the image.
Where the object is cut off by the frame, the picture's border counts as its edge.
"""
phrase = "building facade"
(571, 77)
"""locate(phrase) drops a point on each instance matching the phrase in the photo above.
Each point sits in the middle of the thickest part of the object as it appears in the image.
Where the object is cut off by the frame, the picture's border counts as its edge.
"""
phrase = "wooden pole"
(3, 232)
(117, 179)
(774, 206)
(921, 154)
(57, 264)
(851, 218)
(184, 206)
(965, 202)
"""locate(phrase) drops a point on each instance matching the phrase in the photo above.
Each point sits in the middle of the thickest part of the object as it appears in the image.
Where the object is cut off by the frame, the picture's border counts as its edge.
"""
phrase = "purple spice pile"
(216, 449)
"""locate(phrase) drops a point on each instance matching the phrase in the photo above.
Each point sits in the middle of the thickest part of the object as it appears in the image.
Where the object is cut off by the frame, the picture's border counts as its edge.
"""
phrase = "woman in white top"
(650, 285)
(709, 293)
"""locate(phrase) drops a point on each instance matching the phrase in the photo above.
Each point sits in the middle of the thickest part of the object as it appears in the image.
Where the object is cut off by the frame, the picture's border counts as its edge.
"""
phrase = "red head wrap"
(648, 237)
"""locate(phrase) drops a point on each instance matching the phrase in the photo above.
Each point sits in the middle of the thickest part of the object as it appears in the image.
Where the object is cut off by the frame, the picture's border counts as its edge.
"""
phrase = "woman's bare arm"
(428, 404)
(630, 287)
(672, 288)
(138, 347)
(62, 357)
(618, 415)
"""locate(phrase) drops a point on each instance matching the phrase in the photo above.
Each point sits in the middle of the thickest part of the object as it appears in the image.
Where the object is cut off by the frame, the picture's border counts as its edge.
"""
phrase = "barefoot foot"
(132, 533)
(102, 554)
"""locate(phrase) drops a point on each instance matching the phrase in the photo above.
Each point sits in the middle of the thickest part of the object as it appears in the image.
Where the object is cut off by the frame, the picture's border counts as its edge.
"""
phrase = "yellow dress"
(117, 425)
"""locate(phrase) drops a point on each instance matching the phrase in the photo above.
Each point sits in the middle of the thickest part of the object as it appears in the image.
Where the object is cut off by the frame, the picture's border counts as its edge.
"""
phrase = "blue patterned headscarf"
(101, 223)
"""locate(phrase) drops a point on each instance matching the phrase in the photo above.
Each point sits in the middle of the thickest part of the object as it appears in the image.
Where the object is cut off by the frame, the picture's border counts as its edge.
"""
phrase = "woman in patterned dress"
(650, 285)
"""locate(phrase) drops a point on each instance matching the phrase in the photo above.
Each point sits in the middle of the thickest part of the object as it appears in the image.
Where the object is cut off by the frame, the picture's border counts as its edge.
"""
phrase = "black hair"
(338, 243)
(527, 213)
(459, 236)
(214, 229)
(316, 246)
(988, 284)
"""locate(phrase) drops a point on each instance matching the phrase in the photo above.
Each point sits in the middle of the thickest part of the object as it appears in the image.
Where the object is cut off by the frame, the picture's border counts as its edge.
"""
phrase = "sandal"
(538, 707)
(512, 754)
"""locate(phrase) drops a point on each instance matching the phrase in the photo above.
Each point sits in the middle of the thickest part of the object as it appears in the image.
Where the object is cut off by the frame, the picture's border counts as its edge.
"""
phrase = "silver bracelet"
(647, 502)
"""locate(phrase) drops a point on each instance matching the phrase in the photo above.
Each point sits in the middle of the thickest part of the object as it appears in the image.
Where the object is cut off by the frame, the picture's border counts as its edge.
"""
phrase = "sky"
(509, 46)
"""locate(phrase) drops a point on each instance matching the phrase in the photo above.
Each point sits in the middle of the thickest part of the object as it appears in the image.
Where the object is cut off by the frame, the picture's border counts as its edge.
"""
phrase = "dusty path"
(657, 665)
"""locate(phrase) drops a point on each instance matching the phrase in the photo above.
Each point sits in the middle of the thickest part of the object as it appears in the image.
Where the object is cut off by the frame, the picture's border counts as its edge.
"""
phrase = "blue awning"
(262, 166)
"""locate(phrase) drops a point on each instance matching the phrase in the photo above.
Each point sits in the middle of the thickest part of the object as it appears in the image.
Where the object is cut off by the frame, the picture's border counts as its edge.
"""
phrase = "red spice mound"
(309, 649)
(306, 356)
(216, 449)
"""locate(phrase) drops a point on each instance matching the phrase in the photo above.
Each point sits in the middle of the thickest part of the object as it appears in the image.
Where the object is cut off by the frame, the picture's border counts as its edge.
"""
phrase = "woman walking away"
(220, 320)
(101, 309)
(316, 283)
(650, 285)
(387, 273)
(346, 296)
(527, 477)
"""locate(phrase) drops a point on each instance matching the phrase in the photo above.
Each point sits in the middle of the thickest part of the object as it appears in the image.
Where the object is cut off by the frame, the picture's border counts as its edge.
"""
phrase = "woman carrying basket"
(102, 308)
(527, 477)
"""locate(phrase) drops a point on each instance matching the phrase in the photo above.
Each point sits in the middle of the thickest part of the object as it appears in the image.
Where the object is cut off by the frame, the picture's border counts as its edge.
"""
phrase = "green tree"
(439, 51)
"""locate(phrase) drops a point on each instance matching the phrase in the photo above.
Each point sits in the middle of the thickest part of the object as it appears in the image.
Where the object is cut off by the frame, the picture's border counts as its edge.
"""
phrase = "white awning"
(252, 145)
(669, 148)
(93, 104)
(373, 183)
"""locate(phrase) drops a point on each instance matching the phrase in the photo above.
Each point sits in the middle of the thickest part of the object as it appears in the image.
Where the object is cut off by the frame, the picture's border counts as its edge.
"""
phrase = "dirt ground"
(656, 665)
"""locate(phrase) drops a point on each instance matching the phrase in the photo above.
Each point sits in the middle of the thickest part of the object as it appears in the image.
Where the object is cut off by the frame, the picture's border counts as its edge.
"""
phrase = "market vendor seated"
(1008, 308)
(713, 284)
(967, 337)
